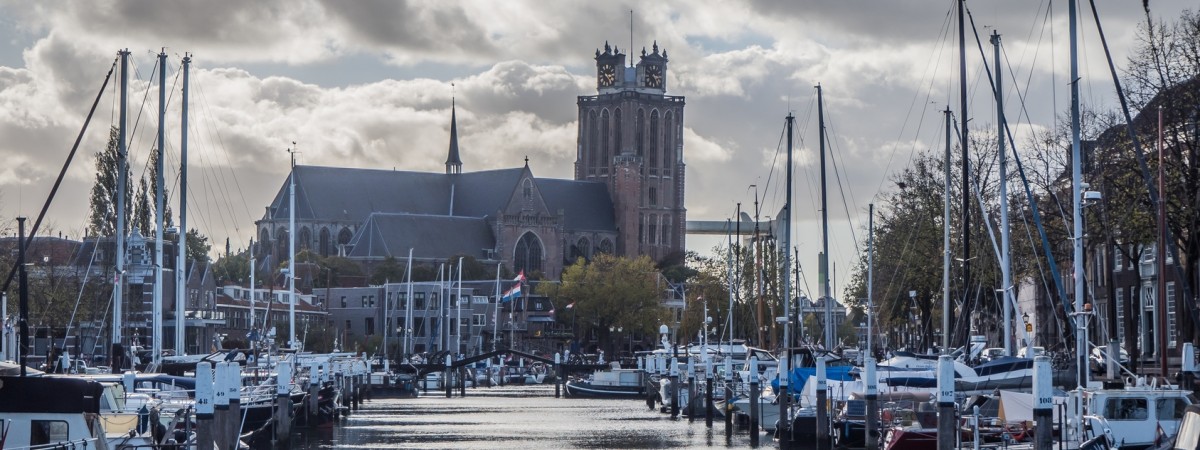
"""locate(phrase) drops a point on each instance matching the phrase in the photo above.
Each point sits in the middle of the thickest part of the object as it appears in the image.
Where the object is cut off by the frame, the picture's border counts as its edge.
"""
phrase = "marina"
(498, 304)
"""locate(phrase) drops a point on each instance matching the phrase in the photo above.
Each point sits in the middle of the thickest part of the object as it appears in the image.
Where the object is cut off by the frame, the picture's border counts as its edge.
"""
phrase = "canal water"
(518, 417)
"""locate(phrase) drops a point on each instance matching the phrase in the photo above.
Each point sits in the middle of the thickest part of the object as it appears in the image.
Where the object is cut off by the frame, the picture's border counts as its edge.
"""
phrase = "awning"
(540, 319)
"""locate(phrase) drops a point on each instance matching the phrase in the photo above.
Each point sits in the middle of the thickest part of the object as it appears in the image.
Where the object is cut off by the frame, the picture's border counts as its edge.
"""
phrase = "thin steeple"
(453, 162)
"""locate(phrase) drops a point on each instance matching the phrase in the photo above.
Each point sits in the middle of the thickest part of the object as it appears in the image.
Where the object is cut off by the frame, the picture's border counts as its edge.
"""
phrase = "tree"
(102, 216)
(388, 270)
(198, 246)
(233, 269)
(611, 291)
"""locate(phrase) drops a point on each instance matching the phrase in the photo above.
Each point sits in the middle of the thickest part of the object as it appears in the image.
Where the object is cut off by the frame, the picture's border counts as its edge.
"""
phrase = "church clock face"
(654, 76)
(607, 75)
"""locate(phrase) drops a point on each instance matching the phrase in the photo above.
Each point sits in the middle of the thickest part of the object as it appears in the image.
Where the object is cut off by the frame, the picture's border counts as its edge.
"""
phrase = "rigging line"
(936, 62)
(1029, 194)
(1152, 190)
(137, 121)
(843, 186)
(221, 141)
(62, 173)
(79, 297)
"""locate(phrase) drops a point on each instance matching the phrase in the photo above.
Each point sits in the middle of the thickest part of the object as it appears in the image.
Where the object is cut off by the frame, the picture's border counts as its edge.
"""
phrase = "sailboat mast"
(292, 252)
(408, 299)
(787, 242)
(946, 230)
(156, 345)
(826, 296)
(1077, 217)
(253, 291)
(117, 355)
(1162, 252)
(181, 252)
(23, 294)
(966, 188)
(458, 307)
(870, 277)
(1005, 244)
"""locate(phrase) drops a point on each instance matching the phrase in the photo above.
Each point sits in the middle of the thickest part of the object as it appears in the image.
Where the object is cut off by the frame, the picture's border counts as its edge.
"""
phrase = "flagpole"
(408, 305)
(496, 312)
(458, 326)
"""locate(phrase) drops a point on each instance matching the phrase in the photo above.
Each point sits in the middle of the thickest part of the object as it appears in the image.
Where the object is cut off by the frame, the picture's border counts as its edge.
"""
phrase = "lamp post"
(912, 296)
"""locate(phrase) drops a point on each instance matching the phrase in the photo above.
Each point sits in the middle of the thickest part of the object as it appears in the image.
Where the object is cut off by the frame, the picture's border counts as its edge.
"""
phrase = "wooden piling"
(221, 412)
(283, 404)
(204, 406)
(754, 406)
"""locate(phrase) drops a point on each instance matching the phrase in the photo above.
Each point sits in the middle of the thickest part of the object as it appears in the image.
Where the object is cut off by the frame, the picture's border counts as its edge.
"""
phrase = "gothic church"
(626, 198)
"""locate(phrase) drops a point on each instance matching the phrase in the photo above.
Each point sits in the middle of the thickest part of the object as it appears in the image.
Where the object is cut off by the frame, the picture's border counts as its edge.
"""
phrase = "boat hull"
(578, 388)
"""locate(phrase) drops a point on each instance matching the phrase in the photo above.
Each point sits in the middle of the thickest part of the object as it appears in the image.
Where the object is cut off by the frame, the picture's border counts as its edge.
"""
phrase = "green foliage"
(611, 291)
(233, 269)
(102, 214)
(388, 270)
(198, 247)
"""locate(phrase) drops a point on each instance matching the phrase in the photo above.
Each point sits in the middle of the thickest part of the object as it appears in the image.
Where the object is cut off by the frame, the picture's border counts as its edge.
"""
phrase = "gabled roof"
(429, 236)
(349, 194)
(586, 204)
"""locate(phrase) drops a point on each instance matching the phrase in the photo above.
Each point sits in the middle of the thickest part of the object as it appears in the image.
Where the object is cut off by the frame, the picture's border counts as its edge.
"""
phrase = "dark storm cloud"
(422, 27)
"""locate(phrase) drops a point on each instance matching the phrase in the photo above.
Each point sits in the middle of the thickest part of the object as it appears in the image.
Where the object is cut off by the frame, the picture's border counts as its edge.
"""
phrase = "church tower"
(453, 162)
(631, 138)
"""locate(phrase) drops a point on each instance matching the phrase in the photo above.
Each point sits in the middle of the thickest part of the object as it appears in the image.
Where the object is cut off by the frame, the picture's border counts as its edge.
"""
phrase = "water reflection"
(516, 417)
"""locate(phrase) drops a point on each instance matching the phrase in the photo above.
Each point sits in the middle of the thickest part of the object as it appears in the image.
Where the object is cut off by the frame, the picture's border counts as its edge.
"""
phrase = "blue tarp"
(800, 375)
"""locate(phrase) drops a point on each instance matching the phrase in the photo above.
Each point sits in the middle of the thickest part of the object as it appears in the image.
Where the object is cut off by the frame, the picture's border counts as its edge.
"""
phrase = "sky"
(369, 84)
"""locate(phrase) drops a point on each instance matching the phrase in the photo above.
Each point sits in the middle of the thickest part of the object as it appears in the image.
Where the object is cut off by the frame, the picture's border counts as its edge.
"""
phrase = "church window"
(323, 236)
(666, 230)
(606, 246)
(264, 237)
(305, 239)
(528, 257)
(281, 243)
(641, 228)
(603, 151)
(344, 236)
(653, 142)
(653, 235)
(652, 194)
(617, 134)
(593, 141)
(668, 141)
(581, 249)
(527, 189)
(639, 133)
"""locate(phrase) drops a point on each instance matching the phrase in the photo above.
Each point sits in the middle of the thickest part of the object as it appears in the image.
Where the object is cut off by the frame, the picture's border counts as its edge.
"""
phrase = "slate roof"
(348, 194)
(384, 234)
(586, 204)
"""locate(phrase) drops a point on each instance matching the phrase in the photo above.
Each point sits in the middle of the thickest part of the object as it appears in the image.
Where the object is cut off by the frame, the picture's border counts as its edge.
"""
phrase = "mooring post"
(823, 441)
(204, 406)
(221, 413)
(283, 403)
(233, 384)
(1043, 406)
(708, 392)
(754, 403)
(557, 375)
(691, 390)
(674, 388)
(784, 425)
(872, 422)
(446, 381)
(947, 417)
(728, 396)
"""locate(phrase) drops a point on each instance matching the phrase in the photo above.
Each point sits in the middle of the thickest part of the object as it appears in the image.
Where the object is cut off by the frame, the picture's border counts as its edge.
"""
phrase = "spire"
(453, 163)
